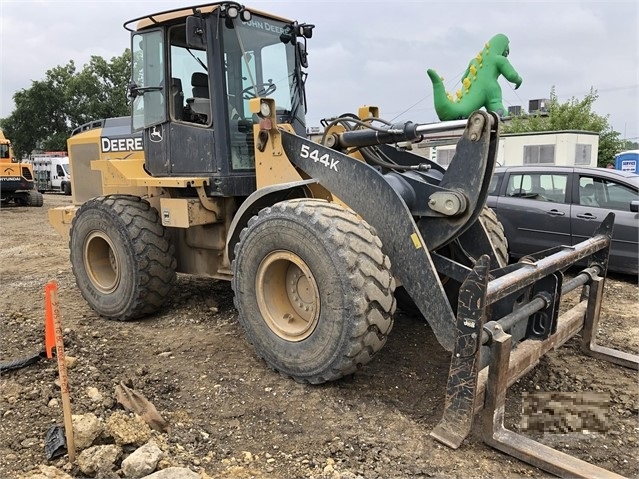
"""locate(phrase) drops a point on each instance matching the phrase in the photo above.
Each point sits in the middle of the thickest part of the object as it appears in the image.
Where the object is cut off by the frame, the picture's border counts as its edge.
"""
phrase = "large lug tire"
(313, 289)
(34, 198)
(496, 233)
(122, 257)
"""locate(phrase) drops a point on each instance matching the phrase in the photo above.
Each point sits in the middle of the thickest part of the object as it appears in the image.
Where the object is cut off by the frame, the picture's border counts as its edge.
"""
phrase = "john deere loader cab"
(192, 82)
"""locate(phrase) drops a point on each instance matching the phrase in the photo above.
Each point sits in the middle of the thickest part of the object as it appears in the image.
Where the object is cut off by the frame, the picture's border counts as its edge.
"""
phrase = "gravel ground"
(232, 417)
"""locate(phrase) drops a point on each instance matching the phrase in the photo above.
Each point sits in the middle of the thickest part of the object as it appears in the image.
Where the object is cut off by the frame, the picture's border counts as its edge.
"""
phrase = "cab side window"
(189, 95)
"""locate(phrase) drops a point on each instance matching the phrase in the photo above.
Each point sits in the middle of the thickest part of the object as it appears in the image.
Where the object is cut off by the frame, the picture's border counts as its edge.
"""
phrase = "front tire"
(496, 233)
(122, 257)
(313, 289)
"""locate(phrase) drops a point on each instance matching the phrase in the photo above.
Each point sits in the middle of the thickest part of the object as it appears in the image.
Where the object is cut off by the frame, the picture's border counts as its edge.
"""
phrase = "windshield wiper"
(197, 60)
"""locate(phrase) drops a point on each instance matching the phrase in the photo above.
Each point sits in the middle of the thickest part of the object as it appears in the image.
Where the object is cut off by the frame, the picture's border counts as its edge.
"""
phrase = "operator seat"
(200, 84)
(200, 104)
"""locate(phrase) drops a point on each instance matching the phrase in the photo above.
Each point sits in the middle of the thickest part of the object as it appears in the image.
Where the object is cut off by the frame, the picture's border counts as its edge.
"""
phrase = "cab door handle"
(587, 216)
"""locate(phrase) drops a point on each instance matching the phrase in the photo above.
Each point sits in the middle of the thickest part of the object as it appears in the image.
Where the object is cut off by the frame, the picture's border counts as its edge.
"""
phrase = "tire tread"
(371, 283)
(153, 249)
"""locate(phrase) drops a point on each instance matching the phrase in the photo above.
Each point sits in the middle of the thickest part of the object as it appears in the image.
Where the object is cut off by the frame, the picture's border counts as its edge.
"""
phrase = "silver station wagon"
(545, 206)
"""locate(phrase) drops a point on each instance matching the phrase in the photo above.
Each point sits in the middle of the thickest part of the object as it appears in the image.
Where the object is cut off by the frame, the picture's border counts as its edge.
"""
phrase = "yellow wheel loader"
(213, 175)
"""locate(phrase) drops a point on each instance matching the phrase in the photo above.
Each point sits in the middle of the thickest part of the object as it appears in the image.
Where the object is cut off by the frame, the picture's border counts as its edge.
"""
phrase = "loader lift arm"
(406, 243)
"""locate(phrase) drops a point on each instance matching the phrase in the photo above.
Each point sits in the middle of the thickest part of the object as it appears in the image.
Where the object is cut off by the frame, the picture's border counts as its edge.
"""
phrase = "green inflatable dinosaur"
(479, 85)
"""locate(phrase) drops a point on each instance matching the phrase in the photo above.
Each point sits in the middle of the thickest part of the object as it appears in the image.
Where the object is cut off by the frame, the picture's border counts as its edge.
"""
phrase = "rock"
(173, 473)
(86, 428)
(71, 361)
(128, 430)
(29, 442)
(48, 472)
(53, 403)
(99, 460)
(142, 461)
(94, 394)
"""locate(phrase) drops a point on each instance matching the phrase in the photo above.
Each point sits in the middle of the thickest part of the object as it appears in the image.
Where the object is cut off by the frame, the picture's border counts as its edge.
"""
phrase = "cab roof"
(167, 16)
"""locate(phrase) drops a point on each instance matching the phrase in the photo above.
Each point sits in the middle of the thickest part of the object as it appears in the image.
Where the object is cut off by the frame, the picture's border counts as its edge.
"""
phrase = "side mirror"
(301, 51)
(634, 206)
(195, 32)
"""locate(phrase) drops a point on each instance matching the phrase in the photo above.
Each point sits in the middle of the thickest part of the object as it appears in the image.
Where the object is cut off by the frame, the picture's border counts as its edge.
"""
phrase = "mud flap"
(491, 357)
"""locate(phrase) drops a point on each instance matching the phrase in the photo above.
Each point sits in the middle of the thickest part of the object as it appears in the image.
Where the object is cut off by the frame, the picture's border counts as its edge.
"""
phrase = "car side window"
(493, 188)
(600, 192)
(538, 186)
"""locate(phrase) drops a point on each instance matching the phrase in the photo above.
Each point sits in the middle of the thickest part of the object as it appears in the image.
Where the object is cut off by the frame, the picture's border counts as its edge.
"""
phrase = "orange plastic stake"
(49, 330)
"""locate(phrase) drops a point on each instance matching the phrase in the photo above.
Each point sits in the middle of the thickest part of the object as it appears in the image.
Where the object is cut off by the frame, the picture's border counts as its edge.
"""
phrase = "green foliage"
(630, 145)
(572, 115)
(45, 113)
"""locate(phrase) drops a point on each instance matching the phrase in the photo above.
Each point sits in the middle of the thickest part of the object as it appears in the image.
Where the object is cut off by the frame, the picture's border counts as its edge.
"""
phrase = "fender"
(262, 198)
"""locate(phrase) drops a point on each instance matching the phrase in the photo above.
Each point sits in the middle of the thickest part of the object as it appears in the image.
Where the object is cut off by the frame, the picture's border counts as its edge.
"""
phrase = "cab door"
(149, 91)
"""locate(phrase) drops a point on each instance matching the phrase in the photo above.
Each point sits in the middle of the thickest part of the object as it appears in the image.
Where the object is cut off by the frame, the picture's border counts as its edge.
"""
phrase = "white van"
(52, 173)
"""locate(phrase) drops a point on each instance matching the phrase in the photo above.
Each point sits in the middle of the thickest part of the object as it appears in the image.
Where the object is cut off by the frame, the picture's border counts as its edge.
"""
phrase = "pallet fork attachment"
(485, 363)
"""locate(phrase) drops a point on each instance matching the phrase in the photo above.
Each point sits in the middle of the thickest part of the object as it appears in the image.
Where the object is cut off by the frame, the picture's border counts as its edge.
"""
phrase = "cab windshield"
(259, 61)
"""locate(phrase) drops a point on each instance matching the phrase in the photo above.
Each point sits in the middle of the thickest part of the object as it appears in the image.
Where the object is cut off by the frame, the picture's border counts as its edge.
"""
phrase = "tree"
(45, 113)
(572, 115)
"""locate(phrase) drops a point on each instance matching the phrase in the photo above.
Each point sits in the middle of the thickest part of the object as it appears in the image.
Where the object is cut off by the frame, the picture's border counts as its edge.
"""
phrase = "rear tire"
(122, 257)
(313, 289)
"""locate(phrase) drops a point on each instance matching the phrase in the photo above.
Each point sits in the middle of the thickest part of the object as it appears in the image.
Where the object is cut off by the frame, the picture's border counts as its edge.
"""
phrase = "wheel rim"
(101, 262)
(287, 295)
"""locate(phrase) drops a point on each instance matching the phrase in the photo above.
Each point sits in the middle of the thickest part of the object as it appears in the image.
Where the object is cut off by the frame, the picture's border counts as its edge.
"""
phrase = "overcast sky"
(368, 52)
